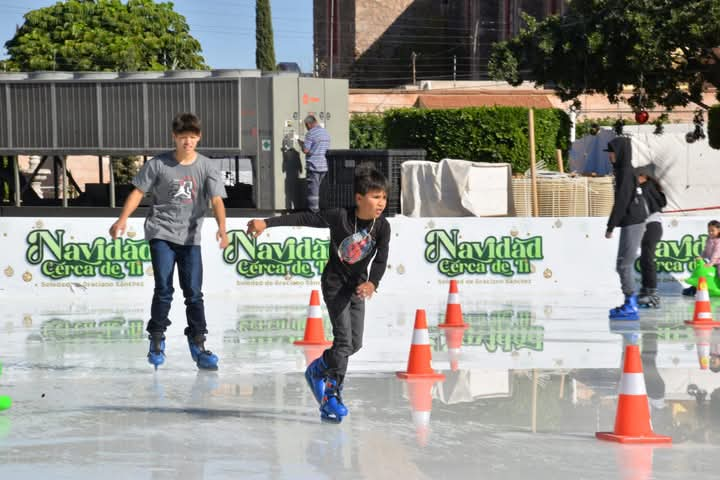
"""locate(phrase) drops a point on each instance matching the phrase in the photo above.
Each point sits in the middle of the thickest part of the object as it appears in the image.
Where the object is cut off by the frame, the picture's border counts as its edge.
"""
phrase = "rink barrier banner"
(74, 256)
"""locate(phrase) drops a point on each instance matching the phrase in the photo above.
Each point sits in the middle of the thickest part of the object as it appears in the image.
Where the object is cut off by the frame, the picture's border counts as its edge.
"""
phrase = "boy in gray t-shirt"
(181, 183)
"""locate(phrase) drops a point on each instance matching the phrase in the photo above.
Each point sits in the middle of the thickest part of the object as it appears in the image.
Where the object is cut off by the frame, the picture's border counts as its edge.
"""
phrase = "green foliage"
(124, 169)
(713, 127)
(104, 35)
(264, 44)
(367, 131)
(487, 134)
(665, 49)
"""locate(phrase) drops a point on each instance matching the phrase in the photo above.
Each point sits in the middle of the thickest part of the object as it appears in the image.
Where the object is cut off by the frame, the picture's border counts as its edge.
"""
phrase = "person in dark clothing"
(656, 201)
(356, 236)
(629, 213)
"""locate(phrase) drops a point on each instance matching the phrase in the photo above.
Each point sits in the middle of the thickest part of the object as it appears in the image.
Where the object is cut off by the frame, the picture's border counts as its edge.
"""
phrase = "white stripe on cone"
(453, 298)
(314, 311)
(632, 384)
(704, 315)
(703, 296)
(421, 337)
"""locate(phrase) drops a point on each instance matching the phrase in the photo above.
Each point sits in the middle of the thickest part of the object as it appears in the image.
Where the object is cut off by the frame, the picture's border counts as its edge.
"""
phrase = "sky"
(225, 29)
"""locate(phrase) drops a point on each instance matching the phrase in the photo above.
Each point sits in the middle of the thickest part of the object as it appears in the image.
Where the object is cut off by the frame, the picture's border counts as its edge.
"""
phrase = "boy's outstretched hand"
(365, 290)
(117, 229)
(256, 227)
(222, 238)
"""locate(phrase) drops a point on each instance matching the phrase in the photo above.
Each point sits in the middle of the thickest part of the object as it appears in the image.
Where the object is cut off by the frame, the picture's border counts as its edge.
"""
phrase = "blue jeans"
(190, 273)
(314, 179)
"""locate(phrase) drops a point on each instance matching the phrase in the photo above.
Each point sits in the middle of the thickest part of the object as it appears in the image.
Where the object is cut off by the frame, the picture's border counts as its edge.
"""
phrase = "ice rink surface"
(523, 397)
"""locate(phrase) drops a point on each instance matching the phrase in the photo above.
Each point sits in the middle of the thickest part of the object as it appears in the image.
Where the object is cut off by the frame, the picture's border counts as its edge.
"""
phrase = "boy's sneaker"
(626, 311)
(315, 377)
(204, 359)
(156, 354)
(689, 291)
(332, 409)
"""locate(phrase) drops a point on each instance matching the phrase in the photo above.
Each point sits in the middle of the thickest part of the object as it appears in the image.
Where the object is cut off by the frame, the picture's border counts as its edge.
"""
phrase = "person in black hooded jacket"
(629, 213)
(656, 201)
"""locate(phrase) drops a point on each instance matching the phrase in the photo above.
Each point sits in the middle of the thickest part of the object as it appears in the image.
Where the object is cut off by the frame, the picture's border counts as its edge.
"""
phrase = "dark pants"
(628, 246)
(190, 273)
(314, 179)
(653, 234)
(347, 315)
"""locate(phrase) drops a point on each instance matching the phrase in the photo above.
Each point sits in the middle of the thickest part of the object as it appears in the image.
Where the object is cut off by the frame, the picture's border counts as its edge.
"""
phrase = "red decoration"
(642, 116)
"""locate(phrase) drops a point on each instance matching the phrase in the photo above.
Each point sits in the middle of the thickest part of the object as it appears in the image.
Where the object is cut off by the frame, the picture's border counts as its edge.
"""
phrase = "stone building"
(382, 43)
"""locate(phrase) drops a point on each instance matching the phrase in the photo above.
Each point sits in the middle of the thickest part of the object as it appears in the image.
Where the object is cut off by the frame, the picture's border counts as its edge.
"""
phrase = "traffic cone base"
(453, 312)
(314, 334)
(612, 437)
(420, 376)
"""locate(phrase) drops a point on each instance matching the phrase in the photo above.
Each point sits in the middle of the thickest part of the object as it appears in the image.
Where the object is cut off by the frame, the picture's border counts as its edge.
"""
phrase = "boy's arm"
(219, 212)
(379, 263)
(131, 203)
(302, 219)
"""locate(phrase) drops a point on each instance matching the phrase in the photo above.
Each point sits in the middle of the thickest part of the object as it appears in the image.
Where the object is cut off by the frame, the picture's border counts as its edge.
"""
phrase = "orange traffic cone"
(453, 312)
(454, 339)
(420, 396)
(632, 421)
(703, 309)
(703, 334)
(420, 353)
(314, 334)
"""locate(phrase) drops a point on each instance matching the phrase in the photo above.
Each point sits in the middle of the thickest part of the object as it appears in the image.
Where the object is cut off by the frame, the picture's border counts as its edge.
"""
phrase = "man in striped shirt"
(317, 142)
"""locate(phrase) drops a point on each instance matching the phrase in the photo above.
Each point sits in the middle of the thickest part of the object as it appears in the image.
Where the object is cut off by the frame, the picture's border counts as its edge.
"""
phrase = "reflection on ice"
(84, 395)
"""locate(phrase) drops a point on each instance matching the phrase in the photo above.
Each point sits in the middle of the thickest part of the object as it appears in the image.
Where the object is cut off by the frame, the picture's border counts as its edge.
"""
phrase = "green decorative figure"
(710, 274)
(5, 402)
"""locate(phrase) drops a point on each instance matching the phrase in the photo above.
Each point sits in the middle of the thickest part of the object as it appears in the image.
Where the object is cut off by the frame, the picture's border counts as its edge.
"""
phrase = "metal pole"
(111, 185)
(65, 188)
(454, 69)
(413, 56)
(332, 34)
(16, 180)
(533, 167)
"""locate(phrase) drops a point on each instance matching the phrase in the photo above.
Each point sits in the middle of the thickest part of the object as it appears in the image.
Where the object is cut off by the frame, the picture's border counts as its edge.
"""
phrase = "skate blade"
(332, 420)
(208, 369)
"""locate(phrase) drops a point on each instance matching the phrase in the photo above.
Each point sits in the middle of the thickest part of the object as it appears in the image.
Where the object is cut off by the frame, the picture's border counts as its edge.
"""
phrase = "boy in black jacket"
(656, 201)
(629, 213)
(356, 235)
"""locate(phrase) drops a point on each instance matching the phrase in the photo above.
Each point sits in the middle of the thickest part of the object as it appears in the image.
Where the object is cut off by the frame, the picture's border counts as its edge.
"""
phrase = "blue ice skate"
(315, 377)
(156, 354)
(626, 311)
(204, 359)
(332, 409)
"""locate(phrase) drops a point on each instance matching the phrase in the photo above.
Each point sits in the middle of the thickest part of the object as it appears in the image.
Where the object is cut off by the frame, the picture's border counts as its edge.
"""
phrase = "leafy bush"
(488, 134)
(367, 131)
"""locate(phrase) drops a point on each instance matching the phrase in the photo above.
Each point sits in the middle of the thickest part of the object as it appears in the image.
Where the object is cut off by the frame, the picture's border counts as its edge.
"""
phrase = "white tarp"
(456, 188)
(688, 172)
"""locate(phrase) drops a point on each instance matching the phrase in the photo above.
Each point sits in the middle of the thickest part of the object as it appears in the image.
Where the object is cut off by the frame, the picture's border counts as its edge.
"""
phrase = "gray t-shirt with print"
(180, 196)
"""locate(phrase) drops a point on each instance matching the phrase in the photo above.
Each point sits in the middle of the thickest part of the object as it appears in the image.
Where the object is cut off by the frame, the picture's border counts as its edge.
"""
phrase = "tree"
(665, 49)
(104, 35)
(264, 46)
